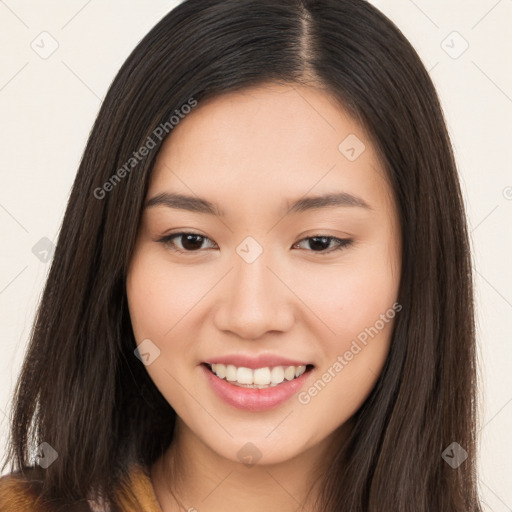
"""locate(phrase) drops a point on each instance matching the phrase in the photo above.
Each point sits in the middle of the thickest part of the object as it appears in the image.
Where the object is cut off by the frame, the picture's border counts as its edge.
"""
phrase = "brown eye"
(320, 244)
(190, 242)
(193, 242)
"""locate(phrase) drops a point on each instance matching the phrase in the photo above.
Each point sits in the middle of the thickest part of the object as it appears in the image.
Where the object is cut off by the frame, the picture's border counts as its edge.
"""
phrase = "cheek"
(351, 296)
(159, 299)
(355, 306)
(158, 304)
(361, 315)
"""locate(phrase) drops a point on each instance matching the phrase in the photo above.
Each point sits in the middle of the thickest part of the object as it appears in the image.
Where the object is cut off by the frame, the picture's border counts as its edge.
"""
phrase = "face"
(242, 280)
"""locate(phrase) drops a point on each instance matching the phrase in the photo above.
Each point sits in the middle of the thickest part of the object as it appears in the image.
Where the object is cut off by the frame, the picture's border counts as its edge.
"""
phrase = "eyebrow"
(200, 205)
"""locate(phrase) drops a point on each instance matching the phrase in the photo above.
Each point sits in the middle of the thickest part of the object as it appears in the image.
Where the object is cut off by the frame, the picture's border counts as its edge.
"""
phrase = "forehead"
(268, 142)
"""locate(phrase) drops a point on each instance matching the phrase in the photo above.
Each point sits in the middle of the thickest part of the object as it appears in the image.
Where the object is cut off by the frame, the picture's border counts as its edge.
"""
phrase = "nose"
(254, 299)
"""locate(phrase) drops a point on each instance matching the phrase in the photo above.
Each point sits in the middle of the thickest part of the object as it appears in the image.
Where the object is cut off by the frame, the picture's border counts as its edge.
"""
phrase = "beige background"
(48, 105)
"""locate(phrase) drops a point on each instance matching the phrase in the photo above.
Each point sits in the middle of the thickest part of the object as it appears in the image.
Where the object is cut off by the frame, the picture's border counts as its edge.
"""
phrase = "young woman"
(261, 296)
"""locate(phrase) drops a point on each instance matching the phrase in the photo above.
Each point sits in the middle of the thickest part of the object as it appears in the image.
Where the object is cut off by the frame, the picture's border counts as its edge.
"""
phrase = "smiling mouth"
(258, 378)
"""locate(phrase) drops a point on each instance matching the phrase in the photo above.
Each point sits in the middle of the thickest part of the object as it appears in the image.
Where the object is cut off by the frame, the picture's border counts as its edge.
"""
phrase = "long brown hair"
(82, 390)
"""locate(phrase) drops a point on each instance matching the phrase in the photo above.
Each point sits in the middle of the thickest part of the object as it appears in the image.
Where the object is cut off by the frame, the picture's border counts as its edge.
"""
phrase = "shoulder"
(21, 492)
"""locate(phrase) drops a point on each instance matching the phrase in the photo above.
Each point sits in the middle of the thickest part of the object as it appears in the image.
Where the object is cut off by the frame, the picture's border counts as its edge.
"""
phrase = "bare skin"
(249, 153)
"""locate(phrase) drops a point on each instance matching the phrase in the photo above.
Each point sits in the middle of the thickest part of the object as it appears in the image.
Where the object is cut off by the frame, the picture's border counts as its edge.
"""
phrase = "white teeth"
(262, 376)
(230, 372)
(289, 373)
(299, 371)
(220, 370)
(244, 375)
(258, 378)
(277, 374)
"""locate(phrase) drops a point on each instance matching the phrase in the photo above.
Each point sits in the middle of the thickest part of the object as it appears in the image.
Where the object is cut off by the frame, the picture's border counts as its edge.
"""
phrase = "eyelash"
(168, 242)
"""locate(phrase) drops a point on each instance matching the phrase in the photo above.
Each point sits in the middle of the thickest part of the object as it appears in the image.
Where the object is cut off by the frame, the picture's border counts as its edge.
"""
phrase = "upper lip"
(253, 362)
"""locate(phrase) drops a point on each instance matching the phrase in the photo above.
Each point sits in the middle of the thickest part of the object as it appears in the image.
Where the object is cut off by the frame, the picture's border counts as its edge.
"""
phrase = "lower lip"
(253, 399)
